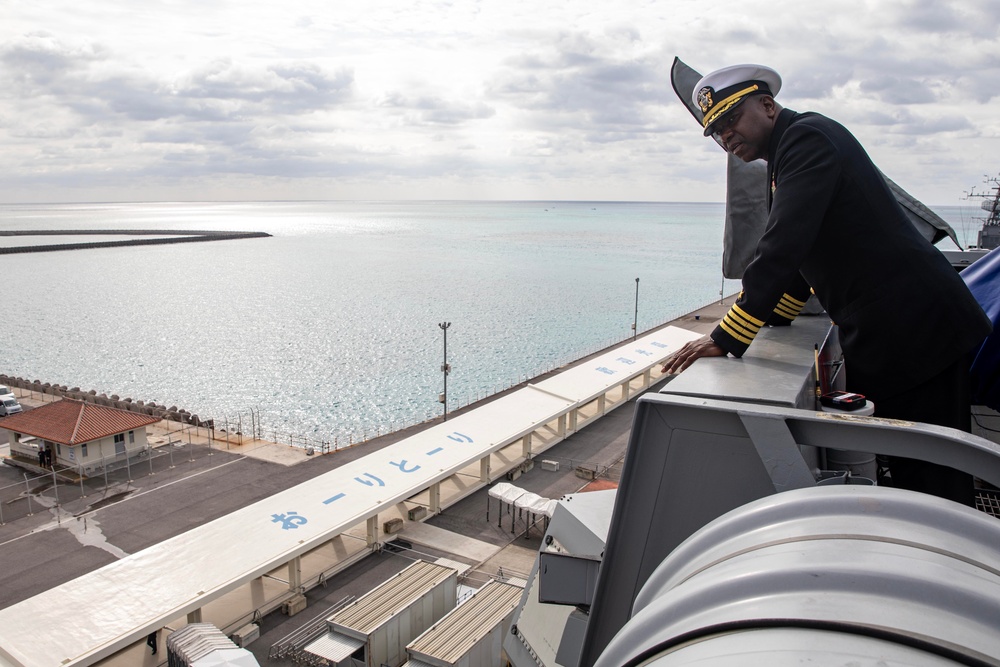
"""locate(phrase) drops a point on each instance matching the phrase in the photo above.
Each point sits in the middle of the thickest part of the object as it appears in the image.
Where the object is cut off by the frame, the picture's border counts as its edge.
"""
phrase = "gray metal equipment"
(828, 575)
(692, 460)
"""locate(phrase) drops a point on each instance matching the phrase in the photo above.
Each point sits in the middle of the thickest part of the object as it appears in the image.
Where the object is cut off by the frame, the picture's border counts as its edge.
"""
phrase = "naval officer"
(908, 324)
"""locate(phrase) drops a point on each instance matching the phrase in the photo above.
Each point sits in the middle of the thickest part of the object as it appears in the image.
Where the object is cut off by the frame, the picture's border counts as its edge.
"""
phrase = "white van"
(9, 406)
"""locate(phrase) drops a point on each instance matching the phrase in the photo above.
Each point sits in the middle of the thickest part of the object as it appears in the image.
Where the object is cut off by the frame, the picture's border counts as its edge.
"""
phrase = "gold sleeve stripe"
(784, 312)
(789, 307)
(740, 326)
(738, 336)
(792, 300)
(742, 313)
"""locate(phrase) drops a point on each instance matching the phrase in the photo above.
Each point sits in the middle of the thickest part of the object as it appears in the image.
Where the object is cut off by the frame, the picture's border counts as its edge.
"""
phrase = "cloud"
(207, 119)
(817, 80)
(899, 90)
(977, 17)
(90, 81)
(39, 60)
(294, 87)
(578, 82)
(495, 94)
(429, 109)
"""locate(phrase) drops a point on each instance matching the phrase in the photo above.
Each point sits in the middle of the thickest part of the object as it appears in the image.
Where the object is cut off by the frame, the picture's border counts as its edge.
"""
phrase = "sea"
(333, 329)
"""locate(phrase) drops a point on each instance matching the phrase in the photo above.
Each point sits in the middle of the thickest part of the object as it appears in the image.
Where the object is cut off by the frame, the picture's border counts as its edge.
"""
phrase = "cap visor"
(709, 130)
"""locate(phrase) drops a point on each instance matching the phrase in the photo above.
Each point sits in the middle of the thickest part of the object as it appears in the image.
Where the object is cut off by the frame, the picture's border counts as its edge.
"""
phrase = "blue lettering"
(402, 466)
(289, 521)
(366, 482)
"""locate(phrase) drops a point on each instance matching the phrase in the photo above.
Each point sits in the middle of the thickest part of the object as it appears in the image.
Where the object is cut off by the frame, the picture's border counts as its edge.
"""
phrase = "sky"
(203, 100)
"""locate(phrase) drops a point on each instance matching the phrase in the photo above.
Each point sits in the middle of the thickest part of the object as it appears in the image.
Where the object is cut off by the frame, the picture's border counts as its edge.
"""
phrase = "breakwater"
(172, 413)
(163, 237)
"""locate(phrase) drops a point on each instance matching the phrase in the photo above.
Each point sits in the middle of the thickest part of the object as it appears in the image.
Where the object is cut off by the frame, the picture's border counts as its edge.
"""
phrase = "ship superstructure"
(989, 234)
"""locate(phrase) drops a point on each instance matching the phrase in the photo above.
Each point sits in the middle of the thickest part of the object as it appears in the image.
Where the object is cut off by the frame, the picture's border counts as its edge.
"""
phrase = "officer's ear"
(769, 106)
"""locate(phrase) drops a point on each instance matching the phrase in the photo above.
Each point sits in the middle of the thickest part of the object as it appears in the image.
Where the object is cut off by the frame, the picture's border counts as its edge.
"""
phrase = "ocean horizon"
(330, 329)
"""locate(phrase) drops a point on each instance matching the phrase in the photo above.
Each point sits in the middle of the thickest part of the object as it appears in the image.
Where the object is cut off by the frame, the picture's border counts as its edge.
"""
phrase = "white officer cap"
(724, 89)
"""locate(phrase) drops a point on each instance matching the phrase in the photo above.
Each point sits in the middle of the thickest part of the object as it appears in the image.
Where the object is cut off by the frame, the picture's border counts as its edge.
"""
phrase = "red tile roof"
(70, 422)
(596, 485)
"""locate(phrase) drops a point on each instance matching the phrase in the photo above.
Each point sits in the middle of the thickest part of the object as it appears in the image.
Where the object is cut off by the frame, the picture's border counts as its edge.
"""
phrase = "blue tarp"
(983, 279)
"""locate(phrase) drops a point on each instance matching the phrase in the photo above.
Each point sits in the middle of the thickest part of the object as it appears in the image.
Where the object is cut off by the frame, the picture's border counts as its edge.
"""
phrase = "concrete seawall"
(172, 413)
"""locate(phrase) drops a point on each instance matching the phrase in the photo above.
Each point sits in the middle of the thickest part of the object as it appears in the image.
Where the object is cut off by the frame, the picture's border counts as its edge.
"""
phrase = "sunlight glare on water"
(330, 327)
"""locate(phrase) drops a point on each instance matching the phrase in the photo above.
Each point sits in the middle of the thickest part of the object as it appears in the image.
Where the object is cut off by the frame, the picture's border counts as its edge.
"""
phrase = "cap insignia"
(705, 98)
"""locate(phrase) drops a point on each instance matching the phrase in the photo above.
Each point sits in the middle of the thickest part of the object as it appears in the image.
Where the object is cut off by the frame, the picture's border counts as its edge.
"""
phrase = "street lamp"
(445, 369)
(635, 321)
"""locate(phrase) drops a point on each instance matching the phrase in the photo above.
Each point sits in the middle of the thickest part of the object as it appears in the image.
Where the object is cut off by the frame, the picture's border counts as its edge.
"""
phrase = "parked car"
(9, 406)
(5, 392)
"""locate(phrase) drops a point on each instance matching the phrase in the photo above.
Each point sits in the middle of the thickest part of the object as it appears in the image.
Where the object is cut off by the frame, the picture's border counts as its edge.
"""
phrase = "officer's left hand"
(692, 351)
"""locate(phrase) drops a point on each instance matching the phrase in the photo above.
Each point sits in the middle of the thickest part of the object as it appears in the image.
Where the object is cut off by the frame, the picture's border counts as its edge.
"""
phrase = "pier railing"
(247, 425)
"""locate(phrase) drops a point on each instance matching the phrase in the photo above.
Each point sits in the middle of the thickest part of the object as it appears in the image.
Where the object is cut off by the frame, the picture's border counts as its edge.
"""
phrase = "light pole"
(635, 321)
(445, 368)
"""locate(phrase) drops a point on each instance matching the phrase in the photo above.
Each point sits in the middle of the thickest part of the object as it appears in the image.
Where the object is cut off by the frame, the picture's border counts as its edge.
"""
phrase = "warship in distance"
(989, 234)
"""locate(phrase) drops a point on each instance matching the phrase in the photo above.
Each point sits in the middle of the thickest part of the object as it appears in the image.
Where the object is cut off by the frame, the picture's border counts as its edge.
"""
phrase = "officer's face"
(746, 130)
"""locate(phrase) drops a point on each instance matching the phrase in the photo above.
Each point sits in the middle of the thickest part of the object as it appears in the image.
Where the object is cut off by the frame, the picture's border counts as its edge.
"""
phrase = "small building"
(472, 634)
(77, 435)
(375, 629)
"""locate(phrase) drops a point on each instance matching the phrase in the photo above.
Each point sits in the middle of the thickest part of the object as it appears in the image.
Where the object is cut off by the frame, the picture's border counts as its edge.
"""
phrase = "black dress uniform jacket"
(833, 225)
